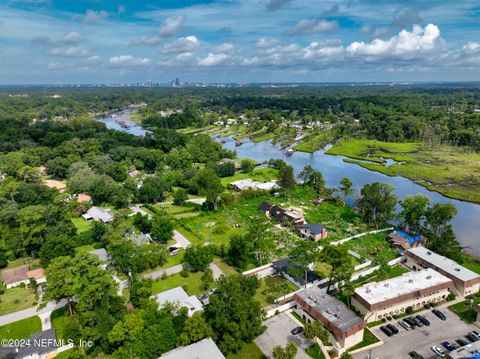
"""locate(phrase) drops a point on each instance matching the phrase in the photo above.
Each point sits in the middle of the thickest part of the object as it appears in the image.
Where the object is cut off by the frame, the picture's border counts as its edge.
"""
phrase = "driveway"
(44, 313)
(168, 271)
(419, 339)
(217, 272)
(278, 333)
(182, 241)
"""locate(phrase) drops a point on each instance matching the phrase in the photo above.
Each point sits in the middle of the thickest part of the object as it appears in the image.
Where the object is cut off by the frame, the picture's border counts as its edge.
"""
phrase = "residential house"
(402, 241)
(203, 349)
(393, 296)
(181, 298)
(22, 274)
(312, 231)
(345, 326)
(466, 281)
(281, 215)
(98, 214)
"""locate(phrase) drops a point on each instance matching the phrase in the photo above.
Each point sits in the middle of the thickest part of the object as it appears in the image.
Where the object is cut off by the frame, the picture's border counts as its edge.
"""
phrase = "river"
(466, 223)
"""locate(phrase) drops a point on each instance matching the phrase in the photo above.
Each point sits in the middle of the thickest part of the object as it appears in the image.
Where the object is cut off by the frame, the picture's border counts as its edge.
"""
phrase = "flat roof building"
(466, 281)
(469, 351)
(204, 349)
(346, 326)
(393, 296)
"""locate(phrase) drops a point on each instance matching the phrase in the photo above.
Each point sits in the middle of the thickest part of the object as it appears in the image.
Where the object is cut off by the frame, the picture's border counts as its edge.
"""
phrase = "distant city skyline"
(244, 41)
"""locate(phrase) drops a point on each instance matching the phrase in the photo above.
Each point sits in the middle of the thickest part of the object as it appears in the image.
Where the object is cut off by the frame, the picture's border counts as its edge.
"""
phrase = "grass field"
(447, 170)
(368, 339)
(16, 299)
(272, 288)
(21, 329)
(372, 246)
(192, 284)
(465, 310)
(250, 351)
(259, 174)
(59, 320)
(315, 352)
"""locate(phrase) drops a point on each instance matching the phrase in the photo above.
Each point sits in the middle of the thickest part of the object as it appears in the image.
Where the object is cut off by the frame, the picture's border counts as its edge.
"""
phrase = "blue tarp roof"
(411, 239)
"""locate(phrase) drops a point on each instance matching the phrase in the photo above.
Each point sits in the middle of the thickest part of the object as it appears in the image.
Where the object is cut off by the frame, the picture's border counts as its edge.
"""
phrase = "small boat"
(238, 143)
(289, 152)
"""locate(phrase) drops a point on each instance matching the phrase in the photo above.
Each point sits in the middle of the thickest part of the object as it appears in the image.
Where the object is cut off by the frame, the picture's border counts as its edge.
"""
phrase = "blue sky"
(95, 41)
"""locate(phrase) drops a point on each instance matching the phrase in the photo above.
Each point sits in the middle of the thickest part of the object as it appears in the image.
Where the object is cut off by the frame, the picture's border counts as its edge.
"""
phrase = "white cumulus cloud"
(128, 60)
(308, 27)
(183, 44)
(213, 59)
(73, 51)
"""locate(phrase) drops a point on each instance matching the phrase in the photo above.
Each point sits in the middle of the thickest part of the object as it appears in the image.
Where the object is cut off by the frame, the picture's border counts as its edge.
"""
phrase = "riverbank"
(446, 170)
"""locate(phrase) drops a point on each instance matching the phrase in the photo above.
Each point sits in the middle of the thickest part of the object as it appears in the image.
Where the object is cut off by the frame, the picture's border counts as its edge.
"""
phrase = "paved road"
(30, 312)
(182, 241)
(217, 272)
(168, 271)
(278, 333)
(419, 339)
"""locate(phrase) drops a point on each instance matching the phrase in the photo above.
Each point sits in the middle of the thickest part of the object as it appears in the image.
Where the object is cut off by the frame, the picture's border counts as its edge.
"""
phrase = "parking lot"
(420, 339)
(278, 333)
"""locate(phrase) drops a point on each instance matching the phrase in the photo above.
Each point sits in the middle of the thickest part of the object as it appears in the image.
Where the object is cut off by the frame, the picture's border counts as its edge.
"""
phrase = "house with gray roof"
(312, 231)
(179, 297)
(42, 345)
(203, 349)
(98, 214)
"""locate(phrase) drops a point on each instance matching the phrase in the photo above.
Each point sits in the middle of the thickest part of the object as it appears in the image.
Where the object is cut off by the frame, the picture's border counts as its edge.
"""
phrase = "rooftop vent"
(410, 281)
(428, 252)
(385, 285)
(429, 277)
(457, 269)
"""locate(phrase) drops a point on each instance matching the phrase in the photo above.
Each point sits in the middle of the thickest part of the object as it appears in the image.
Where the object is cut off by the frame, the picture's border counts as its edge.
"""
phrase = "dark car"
(439, 314)
(392, 328)
(411, 321)
(471, 337)
(474, 334)
(297, 330)
(424, 320)
(415, 355)
(461, 342)
(448, 346)
(386, 330)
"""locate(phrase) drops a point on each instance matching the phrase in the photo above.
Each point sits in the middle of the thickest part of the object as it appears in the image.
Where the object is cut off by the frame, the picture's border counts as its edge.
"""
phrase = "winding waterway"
(466, 223)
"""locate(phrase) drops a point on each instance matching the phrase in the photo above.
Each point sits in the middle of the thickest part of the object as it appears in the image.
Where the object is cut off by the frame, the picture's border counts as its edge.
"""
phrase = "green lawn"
(16, 299)
(448, 170)
(373, 246)
(368, 339)
(248, 351)
(315, 352)
(65, 354)
(21, 329)
(272, 288)
(81, 224)
(472, 264)
(59, 320)
(226, 268)
(465, 310)
(21, 261)
(259, 174)
(192, 284)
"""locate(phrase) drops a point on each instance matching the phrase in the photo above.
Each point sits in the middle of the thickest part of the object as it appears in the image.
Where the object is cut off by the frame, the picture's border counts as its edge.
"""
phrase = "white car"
(438, 351)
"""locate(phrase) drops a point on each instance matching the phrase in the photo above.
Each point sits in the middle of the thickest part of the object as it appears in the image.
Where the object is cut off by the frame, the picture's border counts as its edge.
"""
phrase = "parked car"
(297, 330)
(448, 346)
(405, 325)
(423, 319)
(413, 323)
(471, 337)
(386, 330)
(461, 342)
(438, 351)
(174, 251)
(418, 322)
(439, 314)
(472, 333)
(476, 333)
(393, 328)
(415, 355)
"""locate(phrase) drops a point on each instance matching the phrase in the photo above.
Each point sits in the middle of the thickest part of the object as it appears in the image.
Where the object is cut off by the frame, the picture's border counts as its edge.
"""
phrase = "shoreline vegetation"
(447, 170)
(451, 171)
